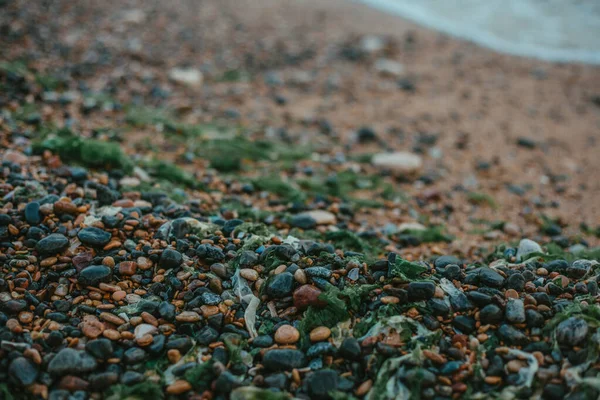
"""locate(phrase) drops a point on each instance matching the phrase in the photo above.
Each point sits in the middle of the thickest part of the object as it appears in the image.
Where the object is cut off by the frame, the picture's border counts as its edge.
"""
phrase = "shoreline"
(482, 38)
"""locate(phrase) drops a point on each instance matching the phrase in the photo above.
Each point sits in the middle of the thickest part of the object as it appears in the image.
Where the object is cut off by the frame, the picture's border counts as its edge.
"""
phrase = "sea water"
(553, 30)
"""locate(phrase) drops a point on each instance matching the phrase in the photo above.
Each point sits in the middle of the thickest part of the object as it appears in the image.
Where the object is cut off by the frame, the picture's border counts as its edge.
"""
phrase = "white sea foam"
(553, 30)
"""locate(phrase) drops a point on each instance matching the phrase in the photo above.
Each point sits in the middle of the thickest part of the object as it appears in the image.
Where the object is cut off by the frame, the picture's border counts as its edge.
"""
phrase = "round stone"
(170, 258)
(284, 359)
(320, 333)
(23, 371)
(52, 244)
(249, 274)
(280, 285)
(287, 334)
(94, 237)
(94, 274)
(400, 162)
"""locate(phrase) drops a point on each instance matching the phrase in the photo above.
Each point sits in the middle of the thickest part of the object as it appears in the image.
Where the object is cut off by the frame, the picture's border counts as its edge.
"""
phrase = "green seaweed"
(339, 395)
(201, 376)
(356, 294)
(226, 155)
(139, 391)
(285, 190)
(346, 240)
(5, 392)
(141, 116)
(91, 153)
(333, 313)
(17, 68)
(406, 270)
(254, 393)
(170, 172)
(430, 235)
(482, 199)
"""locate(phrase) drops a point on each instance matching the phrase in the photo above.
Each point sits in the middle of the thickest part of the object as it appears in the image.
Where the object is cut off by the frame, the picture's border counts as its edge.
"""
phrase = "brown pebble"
(174, 356)
(188, 316)
(179, 387)
(111, 334)
(25, 317)
(493, 380)
(127, 268)
(364, 388)
(33, 355)
(119, 295)
(307, 295)
(112, 318)
(208, 311)
(511, 294)
(249, 274)
(390, 300)
(320, 333)
(145, 340)
(92, 328)
(514, 366)
(287, 334)
(149, 318)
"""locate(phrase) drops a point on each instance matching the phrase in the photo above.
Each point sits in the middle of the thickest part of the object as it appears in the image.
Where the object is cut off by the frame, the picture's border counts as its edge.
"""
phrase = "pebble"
(320, 217)
(191, 77)
(418, 291)
(320, 383)
(71, 361)
(491, 278)
(399, 162)
(52, 244)
(23, 371)
(572, 332)
(179, 387)
(188, 316)
(515, 311)
(94, 274)
(284, 359)
(94, 237)
(491, 314)
(350, 349)
(32, 213)
(526, 247)
(286, 334)
(281, 285)
(319, 334)
(249, 274)
(307, 295)
(170, 259)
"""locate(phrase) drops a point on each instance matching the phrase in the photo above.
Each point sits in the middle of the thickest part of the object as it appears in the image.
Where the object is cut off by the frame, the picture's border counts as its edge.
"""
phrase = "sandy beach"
(248, 181)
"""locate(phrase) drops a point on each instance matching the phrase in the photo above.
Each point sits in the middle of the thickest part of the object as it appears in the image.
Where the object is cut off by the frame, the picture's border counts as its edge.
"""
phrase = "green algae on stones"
(91, 153)
(201, 376)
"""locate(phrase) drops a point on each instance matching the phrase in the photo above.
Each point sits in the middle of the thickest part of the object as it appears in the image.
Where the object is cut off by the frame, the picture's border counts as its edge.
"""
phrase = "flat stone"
(23, 371)
(191, 77)
(94, 237)
(388, 67)
(321, 217)
(284, 359)
(320, 383)
(526, 247)
(399, 162)
(71, 361)
(94, 274)
(572, 331)
(52, 244)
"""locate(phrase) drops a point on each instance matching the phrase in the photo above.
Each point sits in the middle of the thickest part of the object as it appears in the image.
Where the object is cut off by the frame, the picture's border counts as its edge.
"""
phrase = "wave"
(552, 30)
